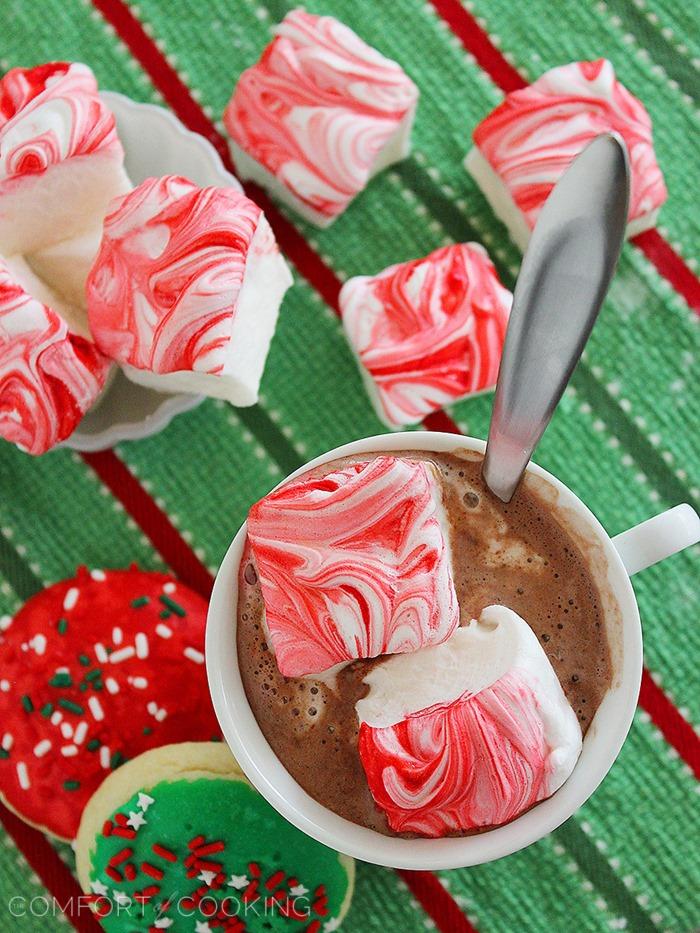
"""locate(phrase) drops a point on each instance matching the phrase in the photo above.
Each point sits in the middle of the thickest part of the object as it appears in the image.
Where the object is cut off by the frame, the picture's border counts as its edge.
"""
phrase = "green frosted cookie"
(178, 840)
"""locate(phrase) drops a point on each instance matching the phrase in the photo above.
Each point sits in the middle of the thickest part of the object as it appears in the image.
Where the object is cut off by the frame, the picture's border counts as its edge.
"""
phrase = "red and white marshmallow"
(318, 115)
(61, 161)
(468, 734)
(49, 376)
(427, 332)
(523, 147)
(354, 564)
(186, 288)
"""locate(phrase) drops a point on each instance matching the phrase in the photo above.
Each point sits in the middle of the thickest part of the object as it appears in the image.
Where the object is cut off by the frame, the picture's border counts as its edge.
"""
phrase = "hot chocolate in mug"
(612, 561)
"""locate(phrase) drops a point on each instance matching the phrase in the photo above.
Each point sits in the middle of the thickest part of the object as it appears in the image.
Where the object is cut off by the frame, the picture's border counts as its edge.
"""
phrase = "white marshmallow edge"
(474, 657)
(265, 281)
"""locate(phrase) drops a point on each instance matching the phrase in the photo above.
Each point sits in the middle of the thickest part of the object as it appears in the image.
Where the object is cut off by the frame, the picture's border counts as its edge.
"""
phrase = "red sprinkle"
(124, 831)
(210, 849)
(196, 842)
(275, 880)
(151, 870)
(121, 819)
(203, 865)
(107, 828)
(130, 871)
(164, 853)
(121, 856)
(314, 927)
(113, 873)
(254, 869)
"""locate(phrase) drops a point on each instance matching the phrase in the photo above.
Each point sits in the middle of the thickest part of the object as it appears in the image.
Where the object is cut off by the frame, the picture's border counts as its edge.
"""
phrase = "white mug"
(613, 560)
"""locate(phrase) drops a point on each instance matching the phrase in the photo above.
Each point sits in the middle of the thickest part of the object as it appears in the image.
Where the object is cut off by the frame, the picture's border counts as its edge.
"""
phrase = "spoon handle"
(563, 280)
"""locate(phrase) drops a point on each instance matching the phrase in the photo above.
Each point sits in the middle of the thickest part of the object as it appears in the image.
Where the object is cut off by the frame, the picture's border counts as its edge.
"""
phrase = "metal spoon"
(563, 280)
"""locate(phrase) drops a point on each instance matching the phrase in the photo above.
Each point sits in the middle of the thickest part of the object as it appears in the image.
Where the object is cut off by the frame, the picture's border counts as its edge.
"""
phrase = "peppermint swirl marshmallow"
(523, 147)
(354, 564)
(427, 332)
(186, 288)
(318, 115)
(49, 375)
(61, 161)
(468, 734)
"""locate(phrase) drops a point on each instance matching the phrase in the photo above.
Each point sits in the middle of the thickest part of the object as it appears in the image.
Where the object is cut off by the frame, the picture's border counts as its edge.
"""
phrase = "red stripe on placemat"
(477, 42)
(55, 875)
(670, 265)
(441, 906)
(677, 731)
(152, 520)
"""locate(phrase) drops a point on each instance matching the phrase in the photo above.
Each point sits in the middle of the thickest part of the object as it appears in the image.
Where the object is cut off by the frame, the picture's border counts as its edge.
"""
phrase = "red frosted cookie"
(94, 671)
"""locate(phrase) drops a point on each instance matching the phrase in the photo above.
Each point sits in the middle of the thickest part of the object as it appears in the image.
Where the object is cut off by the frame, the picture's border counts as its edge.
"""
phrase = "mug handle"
(658, 538)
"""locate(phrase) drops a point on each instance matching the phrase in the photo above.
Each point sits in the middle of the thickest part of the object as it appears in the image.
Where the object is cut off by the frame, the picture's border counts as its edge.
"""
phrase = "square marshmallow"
(354, 564)
(186, 288)
(523, 147)
(427, 332)
(319, 115)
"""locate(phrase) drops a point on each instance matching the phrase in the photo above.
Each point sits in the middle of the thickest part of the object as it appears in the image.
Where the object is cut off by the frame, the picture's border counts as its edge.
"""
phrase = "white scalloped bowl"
(155, 143)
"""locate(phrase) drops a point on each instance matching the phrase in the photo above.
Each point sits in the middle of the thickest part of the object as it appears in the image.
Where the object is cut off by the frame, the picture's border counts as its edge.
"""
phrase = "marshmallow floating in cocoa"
(354, 564)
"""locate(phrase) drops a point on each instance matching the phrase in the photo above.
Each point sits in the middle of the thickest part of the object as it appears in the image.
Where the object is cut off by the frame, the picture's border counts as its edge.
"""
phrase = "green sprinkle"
(172, 605)
(27, 703)
(83, 686)
(94, 674)
(109, 650)
(62, 626)
(141, 601)
(71, 706)
(61, 680)
(46, 710)
(84, 660)
(116, 760)
(165, 613)
(97, 685)
(71, 785)
(4, 753)
(93, 745)
(147, 730)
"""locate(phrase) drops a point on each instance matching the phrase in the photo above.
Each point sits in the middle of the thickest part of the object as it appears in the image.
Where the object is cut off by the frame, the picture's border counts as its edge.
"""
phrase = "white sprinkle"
(104, 756)
(5, 686)
(194, 655)
(111, 685)
(23, 776)
(139, 682)
(161, 715)
(7, 741)
(141, 645)
(66, 730)
(5, 623)
(70, 751)
(39, 643)
(169, 587)
(163, 630)
(62, 670)
(42, 748)
(71, 598)
(122, 655)
(98, 575)
(96, 708)
(101, 653)
(152, 707)
(117, 636)
(56, 718)
(80, 733)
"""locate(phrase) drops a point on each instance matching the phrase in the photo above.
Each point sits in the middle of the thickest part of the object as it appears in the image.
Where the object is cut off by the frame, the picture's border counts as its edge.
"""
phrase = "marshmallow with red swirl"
(523, 147)
(186, 288)
(318, 115)
(354, 564)
(49, 375)
(61, 161)
(427, 332)
(468, 734)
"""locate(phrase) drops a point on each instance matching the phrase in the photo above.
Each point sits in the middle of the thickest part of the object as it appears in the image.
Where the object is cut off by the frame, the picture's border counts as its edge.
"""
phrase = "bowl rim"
(601, 747)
